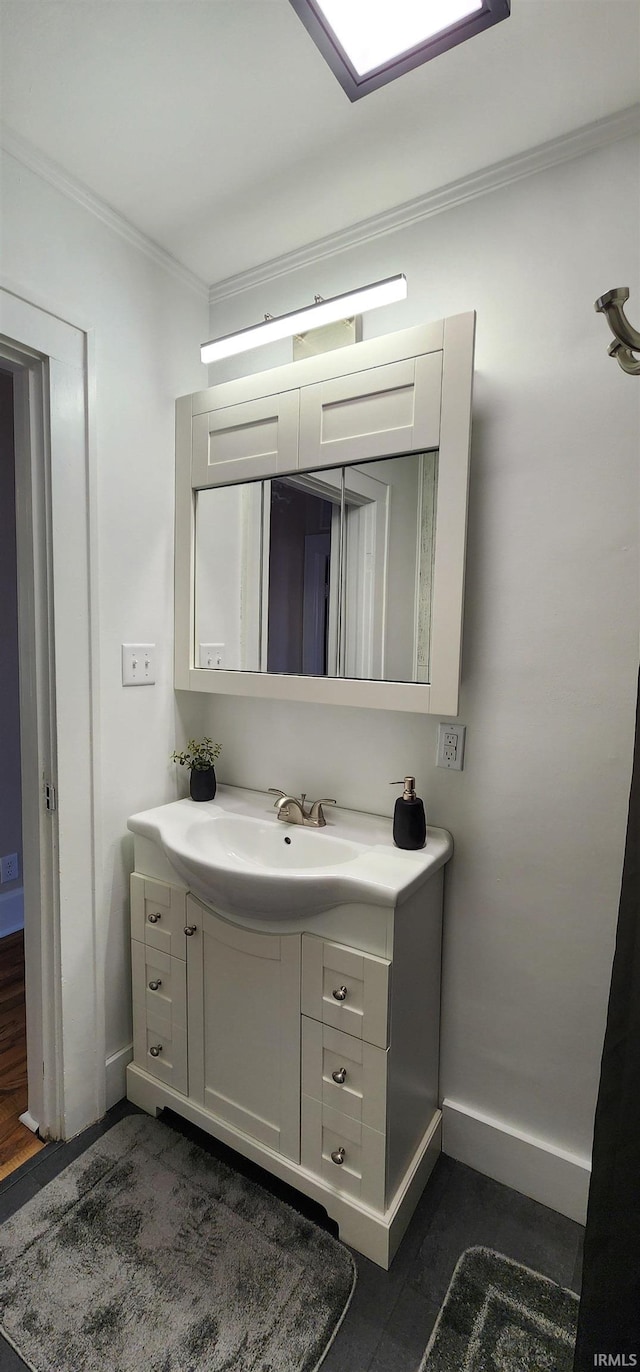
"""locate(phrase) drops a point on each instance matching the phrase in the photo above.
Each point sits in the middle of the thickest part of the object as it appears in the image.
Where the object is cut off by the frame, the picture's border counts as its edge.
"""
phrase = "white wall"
(147, 326)
(551, 634)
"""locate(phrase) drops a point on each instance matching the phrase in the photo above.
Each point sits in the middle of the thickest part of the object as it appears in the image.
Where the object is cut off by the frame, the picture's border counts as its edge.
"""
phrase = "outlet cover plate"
(9, 867)
(451, 746)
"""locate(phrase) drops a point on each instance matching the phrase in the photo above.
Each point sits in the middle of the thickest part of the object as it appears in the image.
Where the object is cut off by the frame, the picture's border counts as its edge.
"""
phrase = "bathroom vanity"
(286, 993)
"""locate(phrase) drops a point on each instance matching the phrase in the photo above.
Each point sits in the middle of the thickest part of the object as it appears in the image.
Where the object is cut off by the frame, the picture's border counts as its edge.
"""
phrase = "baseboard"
(534, 1166)
(11, 911)
(116, 1075)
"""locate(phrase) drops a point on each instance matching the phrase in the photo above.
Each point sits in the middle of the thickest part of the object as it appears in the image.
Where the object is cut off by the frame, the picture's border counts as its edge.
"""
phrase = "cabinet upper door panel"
(242, 442)
(374, 413)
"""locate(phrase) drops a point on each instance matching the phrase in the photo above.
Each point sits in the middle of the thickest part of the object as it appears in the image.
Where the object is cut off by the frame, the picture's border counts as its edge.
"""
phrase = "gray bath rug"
(148, 1253)
(500, 1317)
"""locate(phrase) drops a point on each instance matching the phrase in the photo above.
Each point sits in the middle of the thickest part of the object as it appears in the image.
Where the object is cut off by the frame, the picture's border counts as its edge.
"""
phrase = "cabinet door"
(345, 1073)
(159, 984)
(373, 413)
(244, 1028)
(160, 1046)
(158, 915)
(242, 442)
(346, 1154)
(347, 989)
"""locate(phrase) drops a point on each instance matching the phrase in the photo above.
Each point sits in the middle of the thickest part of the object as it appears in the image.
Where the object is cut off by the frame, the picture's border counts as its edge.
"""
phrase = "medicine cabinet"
(321, 523)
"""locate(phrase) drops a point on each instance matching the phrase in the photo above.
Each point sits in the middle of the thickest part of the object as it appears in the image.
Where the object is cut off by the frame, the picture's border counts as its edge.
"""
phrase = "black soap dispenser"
(409, 822)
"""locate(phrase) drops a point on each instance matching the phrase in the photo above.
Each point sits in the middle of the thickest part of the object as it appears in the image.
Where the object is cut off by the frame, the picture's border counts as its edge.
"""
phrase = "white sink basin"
(235, 854)
(276, 846)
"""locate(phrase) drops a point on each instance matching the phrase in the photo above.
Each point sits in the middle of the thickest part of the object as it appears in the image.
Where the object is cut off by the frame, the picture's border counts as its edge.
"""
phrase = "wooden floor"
(17, 1143)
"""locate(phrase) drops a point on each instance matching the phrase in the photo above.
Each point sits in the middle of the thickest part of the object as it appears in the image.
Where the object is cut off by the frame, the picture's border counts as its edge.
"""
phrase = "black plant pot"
(202, 785)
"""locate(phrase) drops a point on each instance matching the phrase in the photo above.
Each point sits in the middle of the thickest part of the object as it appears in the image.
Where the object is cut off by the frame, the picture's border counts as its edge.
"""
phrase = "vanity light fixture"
(368, 43)
(309, 317)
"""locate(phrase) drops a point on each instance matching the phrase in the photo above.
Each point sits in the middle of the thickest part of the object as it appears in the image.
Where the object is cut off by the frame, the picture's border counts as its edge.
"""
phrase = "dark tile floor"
(392, 1313)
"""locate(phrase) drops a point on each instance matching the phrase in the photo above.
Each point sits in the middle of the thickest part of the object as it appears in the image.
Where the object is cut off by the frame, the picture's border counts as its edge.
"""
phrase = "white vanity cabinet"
(309, 1045)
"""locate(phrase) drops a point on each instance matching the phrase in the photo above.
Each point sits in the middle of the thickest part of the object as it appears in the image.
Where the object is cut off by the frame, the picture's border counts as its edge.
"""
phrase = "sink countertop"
(377, 872)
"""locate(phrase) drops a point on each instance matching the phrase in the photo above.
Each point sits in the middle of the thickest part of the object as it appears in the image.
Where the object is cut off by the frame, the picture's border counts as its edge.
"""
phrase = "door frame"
(52, 363)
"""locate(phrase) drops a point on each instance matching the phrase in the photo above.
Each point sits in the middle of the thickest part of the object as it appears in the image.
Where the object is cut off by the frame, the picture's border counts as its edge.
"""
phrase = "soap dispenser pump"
(409, 822)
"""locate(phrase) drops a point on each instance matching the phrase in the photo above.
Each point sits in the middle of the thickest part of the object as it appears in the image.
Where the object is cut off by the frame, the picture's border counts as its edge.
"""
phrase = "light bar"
(310, 317)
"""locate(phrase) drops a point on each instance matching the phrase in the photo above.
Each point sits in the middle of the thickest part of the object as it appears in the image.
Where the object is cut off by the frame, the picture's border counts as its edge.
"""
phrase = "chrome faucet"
(293, 811)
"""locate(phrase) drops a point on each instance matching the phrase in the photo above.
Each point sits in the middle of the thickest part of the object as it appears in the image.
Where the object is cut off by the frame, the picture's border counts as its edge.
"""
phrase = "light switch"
(138, 664)
(212, 655)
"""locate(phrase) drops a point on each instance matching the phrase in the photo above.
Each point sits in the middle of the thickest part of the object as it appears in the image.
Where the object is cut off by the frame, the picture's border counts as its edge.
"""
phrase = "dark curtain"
(609, 1318)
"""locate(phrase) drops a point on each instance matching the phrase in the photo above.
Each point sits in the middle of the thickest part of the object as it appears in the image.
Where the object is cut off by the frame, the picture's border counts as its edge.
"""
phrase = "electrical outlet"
(138, 664)
(451, 746)
(9, 867)
(211, 655)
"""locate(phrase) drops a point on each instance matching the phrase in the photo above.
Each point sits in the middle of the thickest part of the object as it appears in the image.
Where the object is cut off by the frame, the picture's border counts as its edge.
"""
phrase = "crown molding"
(562, 149)
(36, 161)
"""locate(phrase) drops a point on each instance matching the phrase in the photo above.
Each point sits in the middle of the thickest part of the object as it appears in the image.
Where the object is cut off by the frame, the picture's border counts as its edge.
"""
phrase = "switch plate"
(451, 746)
(9, 867)
(138, 664)
(211, 655)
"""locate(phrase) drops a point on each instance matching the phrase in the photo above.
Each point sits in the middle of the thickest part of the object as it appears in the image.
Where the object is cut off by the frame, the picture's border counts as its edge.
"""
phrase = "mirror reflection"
(324, 573)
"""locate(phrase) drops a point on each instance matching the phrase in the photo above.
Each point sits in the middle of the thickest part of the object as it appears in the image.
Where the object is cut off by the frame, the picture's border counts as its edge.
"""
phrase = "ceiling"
(215, 127)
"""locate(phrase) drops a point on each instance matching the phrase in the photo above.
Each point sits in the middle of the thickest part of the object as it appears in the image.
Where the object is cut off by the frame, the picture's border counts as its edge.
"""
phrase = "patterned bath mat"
(498, 1316)
(148, 1253)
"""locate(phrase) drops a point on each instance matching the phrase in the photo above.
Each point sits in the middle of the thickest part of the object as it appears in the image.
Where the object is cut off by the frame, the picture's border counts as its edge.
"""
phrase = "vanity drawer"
(347, 989)
(158, 913)
(345, 1073)
(169, 1062)
(159, 984)
(346, 1154)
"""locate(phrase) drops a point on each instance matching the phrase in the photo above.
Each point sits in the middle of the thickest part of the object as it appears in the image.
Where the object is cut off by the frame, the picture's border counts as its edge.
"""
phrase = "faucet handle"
(316, 813)
(275, 791)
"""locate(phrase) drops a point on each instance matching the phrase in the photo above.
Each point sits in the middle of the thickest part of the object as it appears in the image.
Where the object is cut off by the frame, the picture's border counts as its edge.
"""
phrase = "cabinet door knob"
(154, 919)
(156, 1050)
(155, 985)
(338, 1157)
(340, 993)
(190, 930)
(340, 1075)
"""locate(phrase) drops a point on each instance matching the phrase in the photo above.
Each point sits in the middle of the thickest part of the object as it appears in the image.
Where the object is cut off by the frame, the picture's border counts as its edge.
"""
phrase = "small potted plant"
(200, 757)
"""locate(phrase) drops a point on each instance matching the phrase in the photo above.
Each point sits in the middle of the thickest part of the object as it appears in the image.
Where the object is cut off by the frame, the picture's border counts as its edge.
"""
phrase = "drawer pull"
(154, 919)
(156, 1050)
(338, 1157)
(190, 929)
(340, 1075)
(155, 985)
(340, 993)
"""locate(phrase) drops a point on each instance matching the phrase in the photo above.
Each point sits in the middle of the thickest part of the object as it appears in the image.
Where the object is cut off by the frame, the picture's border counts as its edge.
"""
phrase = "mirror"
(326, 573)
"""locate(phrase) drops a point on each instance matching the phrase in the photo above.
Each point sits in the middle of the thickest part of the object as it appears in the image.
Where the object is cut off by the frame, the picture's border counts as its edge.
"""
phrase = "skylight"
(370, 42)
(373, 32)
